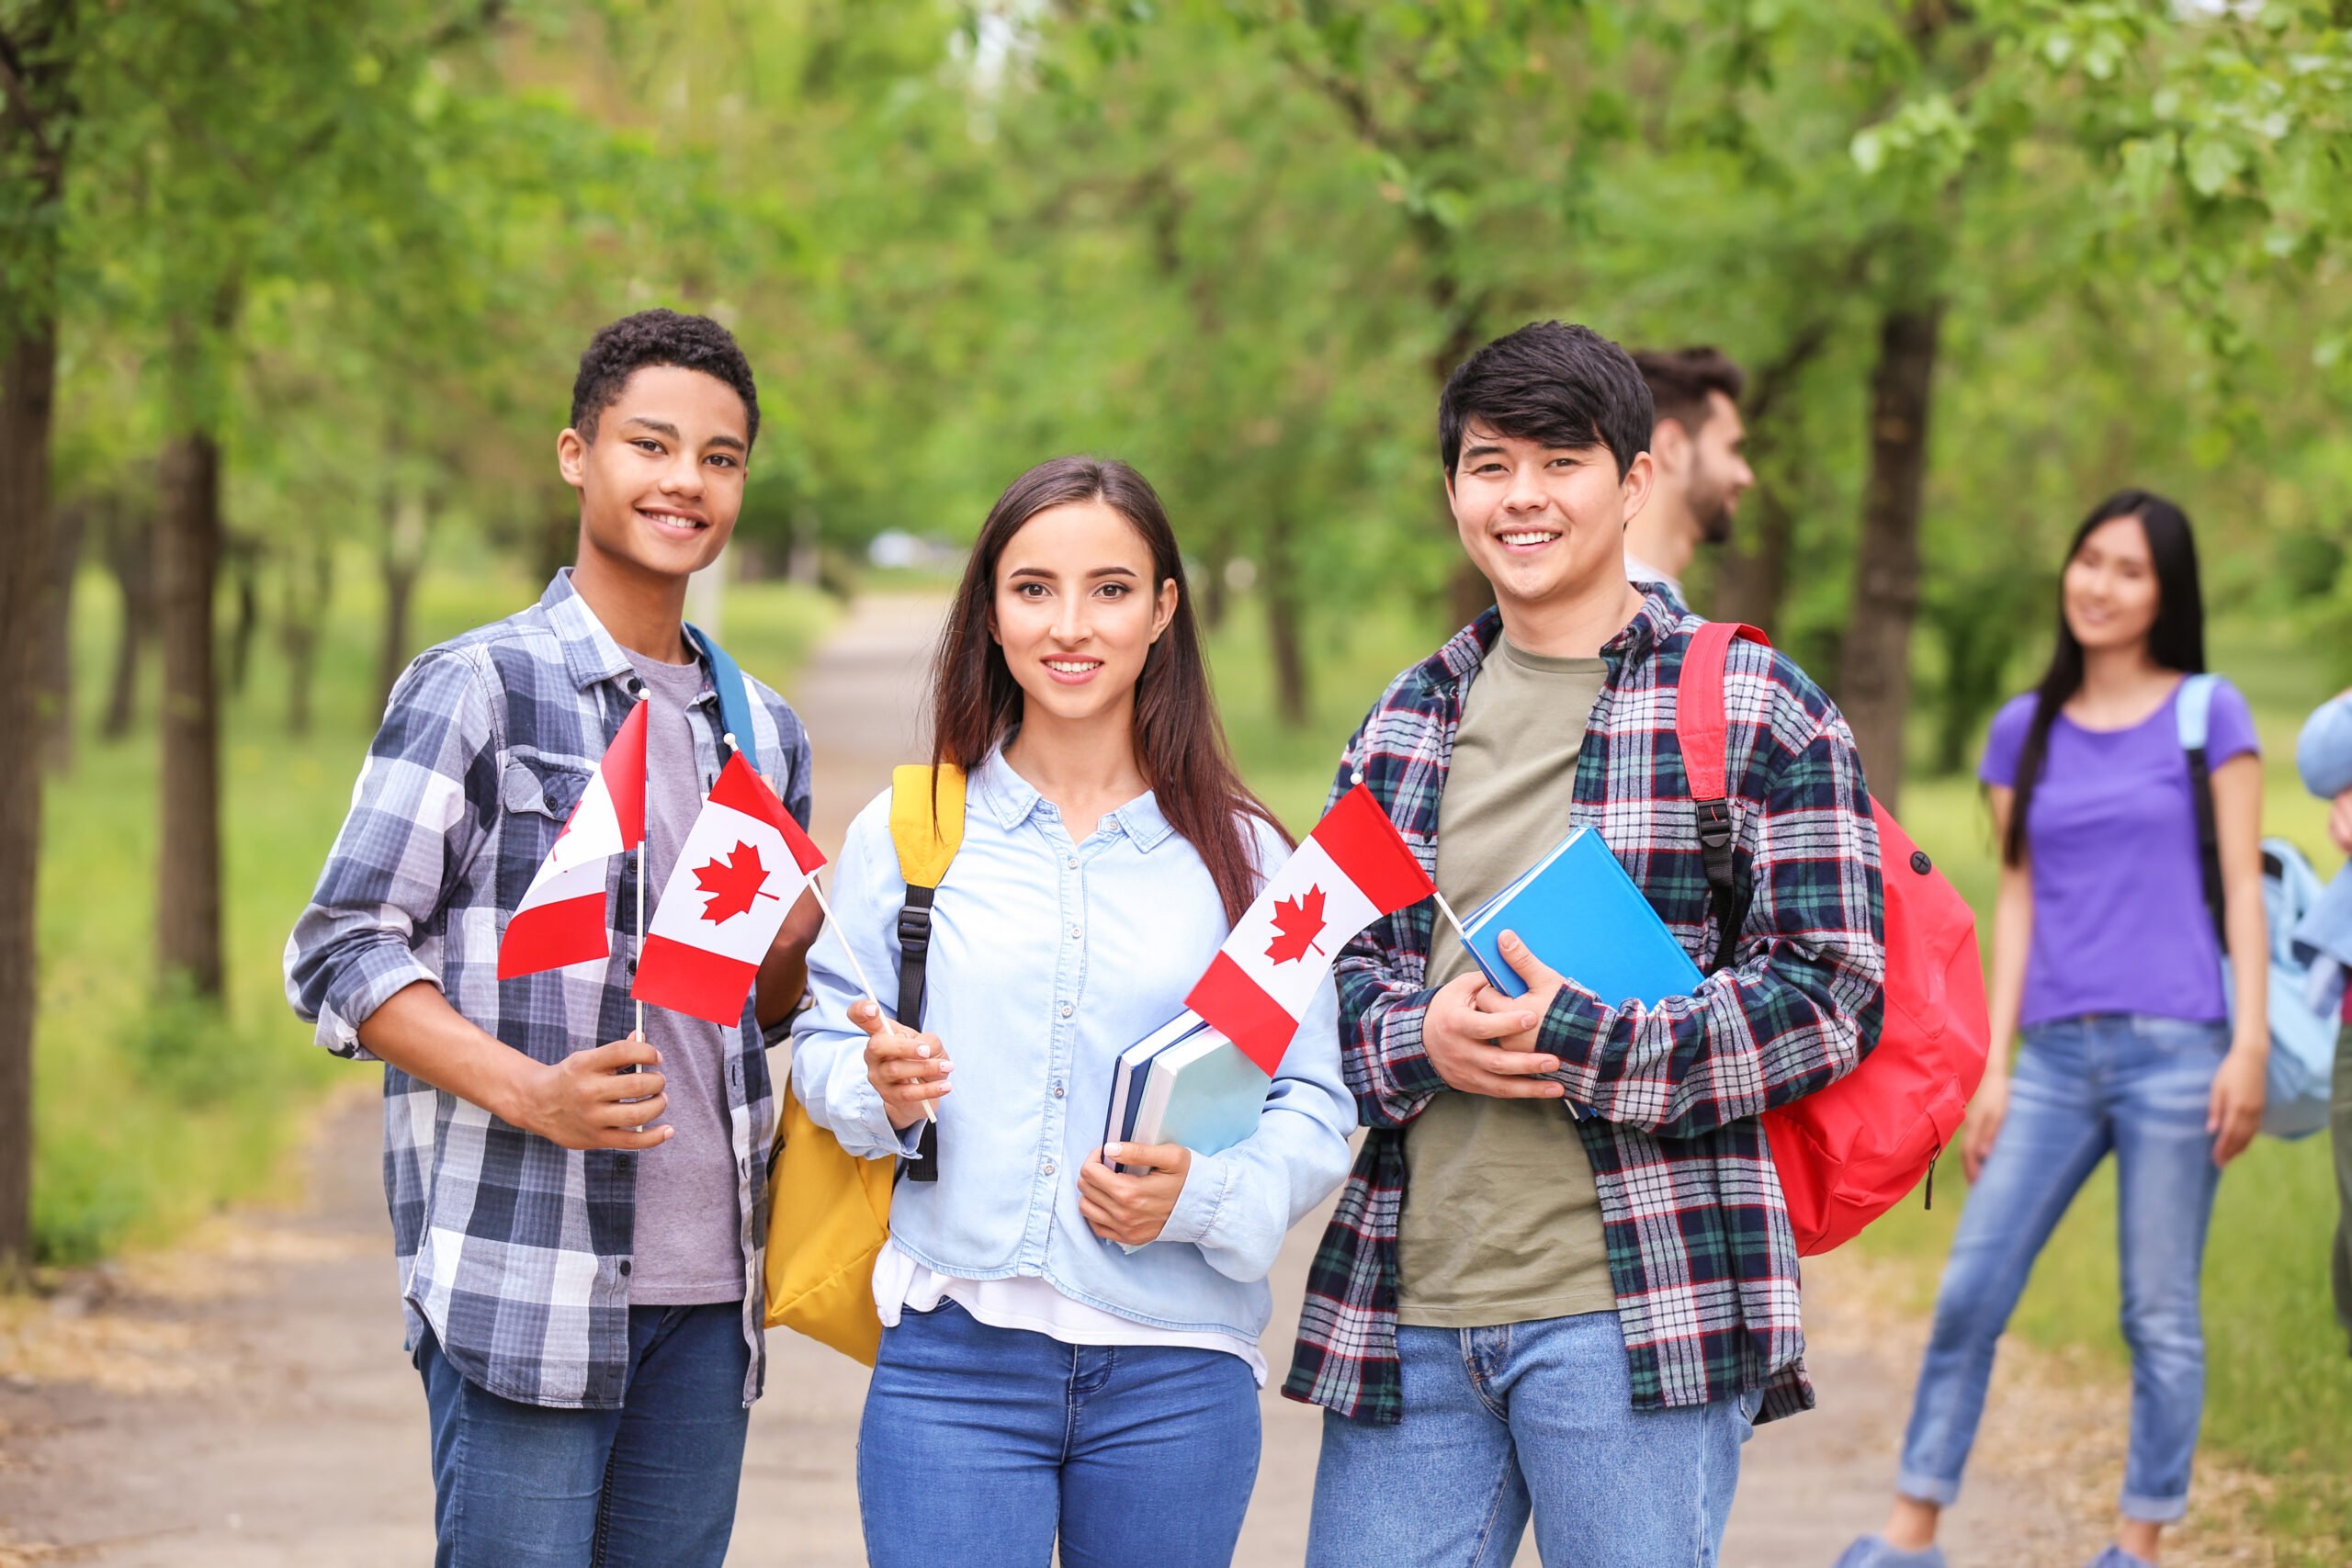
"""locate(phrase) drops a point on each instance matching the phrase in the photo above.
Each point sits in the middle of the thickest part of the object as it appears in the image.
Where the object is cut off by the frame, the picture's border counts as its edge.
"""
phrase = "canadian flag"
(561, 918)
(739, 873)
(1352, 869)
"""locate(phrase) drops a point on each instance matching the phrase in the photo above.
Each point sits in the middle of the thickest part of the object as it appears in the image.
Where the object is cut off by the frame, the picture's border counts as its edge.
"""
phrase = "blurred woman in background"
(2107, 962)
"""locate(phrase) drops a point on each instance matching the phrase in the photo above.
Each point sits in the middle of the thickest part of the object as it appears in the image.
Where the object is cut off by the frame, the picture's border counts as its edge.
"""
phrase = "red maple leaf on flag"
(733, 882)
(1297, 922)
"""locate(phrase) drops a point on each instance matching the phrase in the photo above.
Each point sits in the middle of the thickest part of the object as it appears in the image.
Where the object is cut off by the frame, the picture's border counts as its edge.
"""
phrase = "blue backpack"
(2303, 988)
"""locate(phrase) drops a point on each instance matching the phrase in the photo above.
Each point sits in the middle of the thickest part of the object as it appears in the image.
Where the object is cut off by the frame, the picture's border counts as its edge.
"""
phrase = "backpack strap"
(2193, 711)
(1703, 734)
(926, 829)
(734, 697)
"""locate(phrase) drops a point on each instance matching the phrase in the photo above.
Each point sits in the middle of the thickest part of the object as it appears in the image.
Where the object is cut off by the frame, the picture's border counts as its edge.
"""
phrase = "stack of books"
(1184, 1083)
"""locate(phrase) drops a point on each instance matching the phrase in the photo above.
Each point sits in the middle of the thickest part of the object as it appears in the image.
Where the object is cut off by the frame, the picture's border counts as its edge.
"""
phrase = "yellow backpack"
(829, 1212)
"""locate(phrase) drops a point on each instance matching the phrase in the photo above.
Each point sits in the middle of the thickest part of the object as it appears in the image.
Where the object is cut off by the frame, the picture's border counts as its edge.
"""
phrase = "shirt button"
(1068, 1009)
(1058, 1091)
(1073, 861)
(1074, 932)
(1049, 1167)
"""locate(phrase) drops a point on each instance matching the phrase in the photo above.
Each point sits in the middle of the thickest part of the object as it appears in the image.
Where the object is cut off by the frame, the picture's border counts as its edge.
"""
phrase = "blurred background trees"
(291, 294)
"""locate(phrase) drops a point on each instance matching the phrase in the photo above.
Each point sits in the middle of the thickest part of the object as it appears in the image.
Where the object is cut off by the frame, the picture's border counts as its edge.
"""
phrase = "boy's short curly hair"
(659, 337)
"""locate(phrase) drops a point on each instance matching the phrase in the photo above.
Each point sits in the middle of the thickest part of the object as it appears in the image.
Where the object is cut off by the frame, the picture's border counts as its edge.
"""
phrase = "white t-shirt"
(1027, 1301)
(1640, 570)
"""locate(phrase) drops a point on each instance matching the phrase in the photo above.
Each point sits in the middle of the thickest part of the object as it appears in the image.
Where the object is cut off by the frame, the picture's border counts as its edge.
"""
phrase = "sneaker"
(1872, 1552)
(2115, 1557)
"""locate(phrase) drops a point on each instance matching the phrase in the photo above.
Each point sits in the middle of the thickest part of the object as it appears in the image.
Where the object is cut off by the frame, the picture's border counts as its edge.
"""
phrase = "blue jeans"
(979, 1445)
(2083, 1086)
(526, 1486)
(1535, 1415)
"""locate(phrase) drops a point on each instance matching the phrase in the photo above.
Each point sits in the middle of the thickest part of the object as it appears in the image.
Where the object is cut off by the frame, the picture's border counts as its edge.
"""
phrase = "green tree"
(37, 117)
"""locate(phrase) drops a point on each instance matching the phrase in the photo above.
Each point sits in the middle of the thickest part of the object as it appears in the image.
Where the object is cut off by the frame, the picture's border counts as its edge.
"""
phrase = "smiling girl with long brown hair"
(1037, 1378)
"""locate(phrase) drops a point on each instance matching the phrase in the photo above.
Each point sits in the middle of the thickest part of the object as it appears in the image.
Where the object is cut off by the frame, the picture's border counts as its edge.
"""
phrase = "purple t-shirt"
(2120, 923)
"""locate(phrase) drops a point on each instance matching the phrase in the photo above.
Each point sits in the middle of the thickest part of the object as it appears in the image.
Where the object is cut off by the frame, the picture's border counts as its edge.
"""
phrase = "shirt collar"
(590, 652)
(1004, 794)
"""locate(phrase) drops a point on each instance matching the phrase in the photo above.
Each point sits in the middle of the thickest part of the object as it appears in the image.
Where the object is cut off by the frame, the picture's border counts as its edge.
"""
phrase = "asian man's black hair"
(1550, 382)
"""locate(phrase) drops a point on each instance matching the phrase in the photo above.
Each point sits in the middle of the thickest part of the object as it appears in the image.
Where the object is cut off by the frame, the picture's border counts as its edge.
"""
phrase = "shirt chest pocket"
(536, 795)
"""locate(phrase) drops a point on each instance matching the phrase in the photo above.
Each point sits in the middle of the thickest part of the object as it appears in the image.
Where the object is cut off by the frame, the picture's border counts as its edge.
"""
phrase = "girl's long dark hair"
(2176, 641)
(1179, 744)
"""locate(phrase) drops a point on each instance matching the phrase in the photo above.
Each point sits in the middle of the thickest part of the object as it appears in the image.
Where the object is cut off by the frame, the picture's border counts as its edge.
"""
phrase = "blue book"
(1184, 1083)
(1578, 911)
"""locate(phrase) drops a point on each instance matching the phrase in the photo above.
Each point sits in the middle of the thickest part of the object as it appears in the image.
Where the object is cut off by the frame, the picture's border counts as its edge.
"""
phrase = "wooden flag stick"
(930, 1107)
(644, 850)
(1450, 918)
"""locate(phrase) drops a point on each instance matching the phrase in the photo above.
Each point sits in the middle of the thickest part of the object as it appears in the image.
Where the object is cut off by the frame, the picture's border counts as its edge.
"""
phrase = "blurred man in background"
(1695, 445)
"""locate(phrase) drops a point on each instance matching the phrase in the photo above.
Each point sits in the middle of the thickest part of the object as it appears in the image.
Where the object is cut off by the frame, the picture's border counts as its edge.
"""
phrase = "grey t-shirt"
(1501, 1223)
(689, 1249)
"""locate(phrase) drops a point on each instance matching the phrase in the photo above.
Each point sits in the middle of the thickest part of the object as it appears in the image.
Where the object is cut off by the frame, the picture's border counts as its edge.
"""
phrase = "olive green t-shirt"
(1501, 1223)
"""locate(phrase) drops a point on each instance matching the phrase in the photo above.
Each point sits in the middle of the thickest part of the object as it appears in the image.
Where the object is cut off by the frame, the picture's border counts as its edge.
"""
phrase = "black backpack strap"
(1723, 888)
(914, 949)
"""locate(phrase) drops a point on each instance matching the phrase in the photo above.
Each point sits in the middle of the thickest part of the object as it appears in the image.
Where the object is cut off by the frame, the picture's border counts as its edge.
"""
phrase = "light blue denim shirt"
(1048, 959)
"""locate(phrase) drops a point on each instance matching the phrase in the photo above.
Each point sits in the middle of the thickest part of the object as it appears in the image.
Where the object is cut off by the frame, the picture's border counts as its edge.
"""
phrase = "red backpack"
(1850, 1153)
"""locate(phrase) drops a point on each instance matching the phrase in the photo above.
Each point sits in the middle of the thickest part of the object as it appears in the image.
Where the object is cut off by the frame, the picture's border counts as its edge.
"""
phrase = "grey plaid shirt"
(515, 1251)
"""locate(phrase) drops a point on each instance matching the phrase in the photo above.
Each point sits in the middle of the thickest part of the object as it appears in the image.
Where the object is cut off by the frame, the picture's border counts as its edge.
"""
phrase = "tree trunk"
(32, 150)
(308, 579)
(1875, 684)
(408, 520)
(245, 568)
(1280, 589)
(187, 549)
(129, 544)
(67, 525)
(1752, 580)
(28, 393)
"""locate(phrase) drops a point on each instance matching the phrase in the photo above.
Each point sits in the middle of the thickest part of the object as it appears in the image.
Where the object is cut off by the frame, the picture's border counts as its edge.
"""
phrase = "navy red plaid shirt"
(1700, 1250)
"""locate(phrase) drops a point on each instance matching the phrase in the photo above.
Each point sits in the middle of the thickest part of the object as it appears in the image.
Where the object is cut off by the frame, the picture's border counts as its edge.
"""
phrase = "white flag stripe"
(575, 867)
(1345, 912)
(744, 937)
(556, 883)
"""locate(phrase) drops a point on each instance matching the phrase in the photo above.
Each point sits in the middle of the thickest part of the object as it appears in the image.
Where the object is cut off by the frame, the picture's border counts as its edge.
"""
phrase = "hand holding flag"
(1352, 869)
(738, 874)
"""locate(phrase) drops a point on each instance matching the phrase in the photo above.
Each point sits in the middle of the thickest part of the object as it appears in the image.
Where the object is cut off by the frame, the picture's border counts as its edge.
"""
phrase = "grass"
(2279, 1389)
(150, 1110)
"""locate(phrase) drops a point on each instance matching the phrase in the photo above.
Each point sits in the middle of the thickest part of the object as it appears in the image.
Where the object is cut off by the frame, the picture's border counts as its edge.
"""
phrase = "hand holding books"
(1482, 1042)
(908, 1070)
(1132, 1210)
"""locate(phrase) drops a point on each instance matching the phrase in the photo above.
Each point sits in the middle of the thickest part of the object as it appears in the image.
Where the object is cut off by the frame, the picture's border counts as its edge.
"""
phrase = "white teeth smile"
(667, 521)
(1536, 537)
(1071, 667)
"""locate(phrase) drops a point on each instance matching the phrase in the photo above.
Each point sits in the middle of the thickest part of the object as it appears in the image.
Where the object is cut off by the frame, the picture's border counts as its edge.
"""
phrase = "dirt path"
(243, 1402)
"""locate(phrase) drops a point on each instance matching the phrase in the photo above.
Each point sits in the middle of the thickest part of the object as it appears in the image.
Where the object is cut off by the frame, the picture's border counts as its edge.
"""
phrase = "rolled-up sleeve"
(424, 806)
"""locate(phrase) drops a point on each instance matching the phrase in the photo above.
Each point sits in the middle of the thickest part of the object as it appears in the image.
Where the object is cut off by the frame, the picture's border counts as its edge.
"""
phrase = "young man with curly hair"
(574, 1209)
